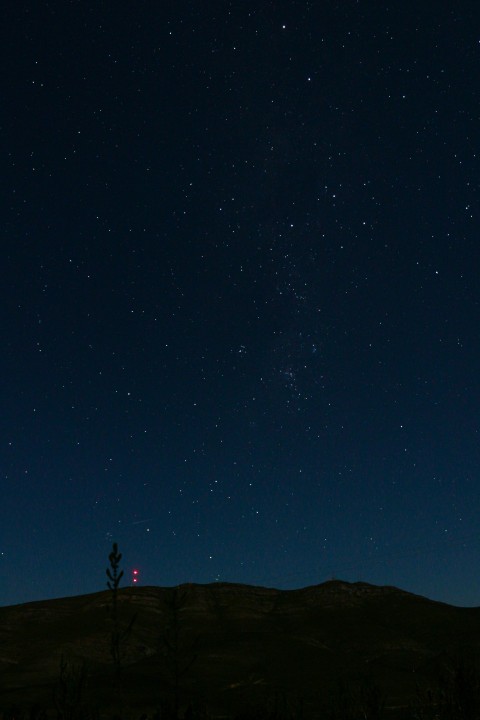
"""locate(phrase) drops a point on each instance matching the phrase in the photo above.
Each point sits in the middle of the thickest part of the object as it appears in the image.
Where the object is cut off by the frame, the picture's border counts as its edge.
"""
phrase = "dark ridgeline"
(338, 650)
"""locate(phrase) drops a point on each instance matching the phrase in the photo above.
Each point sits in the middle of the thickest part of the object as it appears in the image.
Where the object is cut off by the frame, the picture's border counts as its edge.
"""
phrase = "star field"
(240, 301)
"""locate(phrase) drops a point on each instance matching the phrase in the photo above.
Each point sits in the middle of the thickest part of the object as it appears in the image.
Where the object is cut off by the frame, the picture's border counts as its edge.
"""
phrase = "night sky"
(240, 299)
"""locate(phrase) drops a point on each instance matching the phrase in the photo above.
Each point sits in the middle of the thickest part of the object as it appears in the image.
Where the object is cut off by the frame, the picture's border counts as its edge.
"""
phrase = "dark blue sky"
(240, 297)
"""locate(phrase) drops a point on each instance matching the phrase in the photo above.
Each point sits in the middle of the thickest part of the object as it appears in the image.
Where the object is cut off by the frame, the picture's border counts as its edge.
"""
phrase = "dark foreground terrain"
(233, 649)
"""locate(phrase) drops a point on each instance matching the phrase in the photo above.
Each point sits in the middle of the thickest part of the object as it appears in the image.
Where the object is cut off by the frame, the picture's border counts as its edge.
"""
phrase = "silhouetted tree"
(118, 635)
(371, 700)
(459, 696)
(352, 701)
(454, 695)
(69, 693)
(178, 653)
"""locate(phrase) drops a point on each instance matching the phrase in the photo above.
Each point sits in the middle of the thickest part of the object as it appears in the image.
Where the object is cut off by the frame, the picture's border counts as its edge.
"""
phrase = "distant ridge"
(328, 587)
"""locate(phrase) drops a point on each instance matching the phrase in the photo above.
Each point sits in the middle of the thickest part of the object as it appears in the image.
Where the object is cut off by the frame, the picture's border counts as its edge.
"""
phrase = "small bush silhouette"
(69, 692)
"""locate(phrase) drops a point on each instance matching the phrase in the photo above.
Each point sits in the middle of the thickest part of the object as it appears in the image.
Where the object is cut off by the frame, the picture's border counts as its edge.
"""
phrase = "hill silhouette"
(234, 646)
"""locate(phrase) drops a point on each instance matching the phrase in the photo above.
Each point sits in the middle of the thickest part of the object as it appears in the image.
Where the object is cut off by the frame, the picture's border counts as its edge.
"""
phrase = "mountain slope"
(234, 645)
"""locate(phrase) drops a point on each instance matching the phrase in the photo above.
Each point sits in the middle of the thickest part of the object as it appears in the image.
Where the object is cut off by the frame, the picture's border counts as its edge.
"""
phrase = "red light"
(134, 576)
